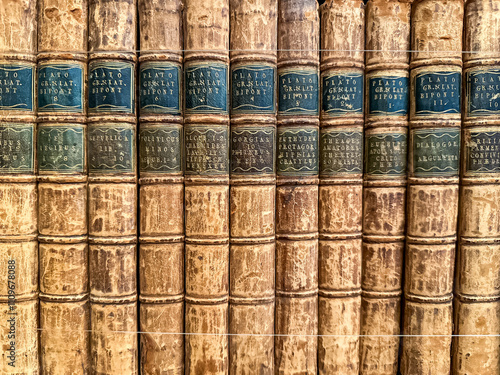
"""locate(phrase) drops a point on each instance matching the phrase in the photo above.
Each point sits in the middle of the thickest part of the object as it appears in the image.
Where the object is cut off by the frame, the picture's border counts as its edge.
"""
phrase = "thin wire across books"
(254, 50)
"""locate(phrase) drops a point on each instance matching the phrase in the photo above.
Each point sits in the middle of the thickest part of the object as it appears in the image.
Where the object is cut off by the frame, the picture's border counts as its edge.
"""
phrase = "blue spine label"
(60, 88)
(111, 87)
(343, 94)
(160, 88)
(17, 87)
(206, 88)
(16, 148)
(388, 96)
(298, 92)
(482, 151)
(252, 89)
(437, 93)
(483, 92)
(341, 152)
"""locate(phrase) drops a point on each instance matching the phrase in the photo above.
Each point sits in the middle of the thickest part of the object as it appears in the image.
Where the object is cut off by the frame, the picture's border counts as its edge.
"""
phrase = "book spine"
(297, 188)
(18, 190)
(206, 142)
(161, 204)
(253, 44)
(62, 187)
(434, 148)
(341, 185)
(476, 345)
(387, 92)
(112, 189)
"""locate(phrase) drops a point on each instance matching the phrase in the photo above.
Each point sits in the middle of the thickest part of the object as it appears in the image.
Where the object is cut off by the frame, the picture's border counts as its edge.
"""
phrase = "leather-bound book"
(112, 191)
(297, 188)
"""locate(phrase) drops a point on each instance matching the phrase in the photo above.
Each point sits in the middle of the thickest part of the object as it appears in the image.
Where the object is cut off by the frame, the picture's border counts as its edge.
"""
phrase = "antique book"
(161, 203)
(341, 185)
(62, 187)
(384, 194)
(476, 346)
(18, 194)
(206, 142)
(253, 43)
(297, 188)
(432, 210)
(112, 186)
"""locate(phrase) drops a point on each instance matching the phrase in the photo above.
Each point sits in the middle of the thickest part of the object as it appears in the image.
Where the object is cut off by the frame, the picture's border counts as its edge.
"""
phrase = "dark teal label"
(341, 152)
(253, 150)
(17, 87)
(207, 150)
(61, 148)
(298, 151)
(252, 89)
(16, 148)
(160, 149)
(436, 152)
(388, 96)
(437, 93)
(111, 149)
(298, 92)
(482, 151)
(385, 154)
(343, 94)
(206, 88)
(160, 88)
(111, 87)
(483, 92)
(60, 88)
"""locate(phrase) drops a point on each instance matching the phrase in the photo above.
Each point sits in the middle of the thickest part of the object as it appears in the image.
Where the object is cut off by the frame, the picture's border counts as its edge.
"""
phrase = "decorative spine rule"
(341, 185)
(434, 147)
(62, 188)
(18, 194)
(253, 185)
(161, 251)
(112, 192)
(384, 195)
(476, 346)
(206, 137)
(297, 188)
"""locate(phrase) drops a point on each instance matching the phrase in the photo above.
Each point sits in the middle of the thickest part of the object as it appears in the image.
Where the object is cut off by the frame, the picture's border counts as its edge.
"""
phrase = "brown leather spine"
(434, 146)
(253, 44)
(18, 194)
(476, 345)
(341, 185)
(112, 192)
(206, 130)
(62, 187)
(384, 195)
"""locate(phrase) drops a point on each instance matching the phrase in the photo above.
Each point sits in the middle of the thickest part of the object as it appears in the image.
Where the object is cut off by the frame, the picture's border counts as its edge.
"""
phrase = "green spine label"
(385, 154)
(17, 87)
(61, 148)
(298, 92)
(207, 150)
(160, 149)
(16, 148)
(297, 151)
(160, 88)
(252, 89)
(341, 152)
(111, 149)
(482, 151)
(436, 152)
(253, 150)
(60, 88)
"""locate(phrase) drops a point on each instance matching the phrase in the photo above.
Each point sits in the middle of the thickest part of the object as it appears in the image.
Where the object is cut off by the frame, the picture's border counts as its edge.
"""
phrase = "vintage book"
(161, 204)
(18, 194)
(62, 187)
(253, 44)
(387, 92)
(297, 188)
(341, 185)
(476, 345)
(112, 191)
(433, 163)
(206, 137)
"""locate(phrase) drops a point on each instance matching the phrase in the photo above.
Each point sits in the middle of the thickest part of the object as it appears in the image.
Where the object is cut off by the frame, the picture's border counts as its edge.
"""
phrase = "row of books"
(250, 187)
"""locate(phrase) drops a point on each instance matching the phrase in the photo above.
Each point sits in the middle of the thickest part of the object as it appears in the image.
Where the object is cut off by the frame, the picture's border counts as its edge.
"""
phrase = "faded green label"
(160, 149)
(253, 150)
(298, 151)
(207, 150)
(61, 148)
(341, 152)
(385, 154)
(16, 148)
(111, 149)
(482, 151)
